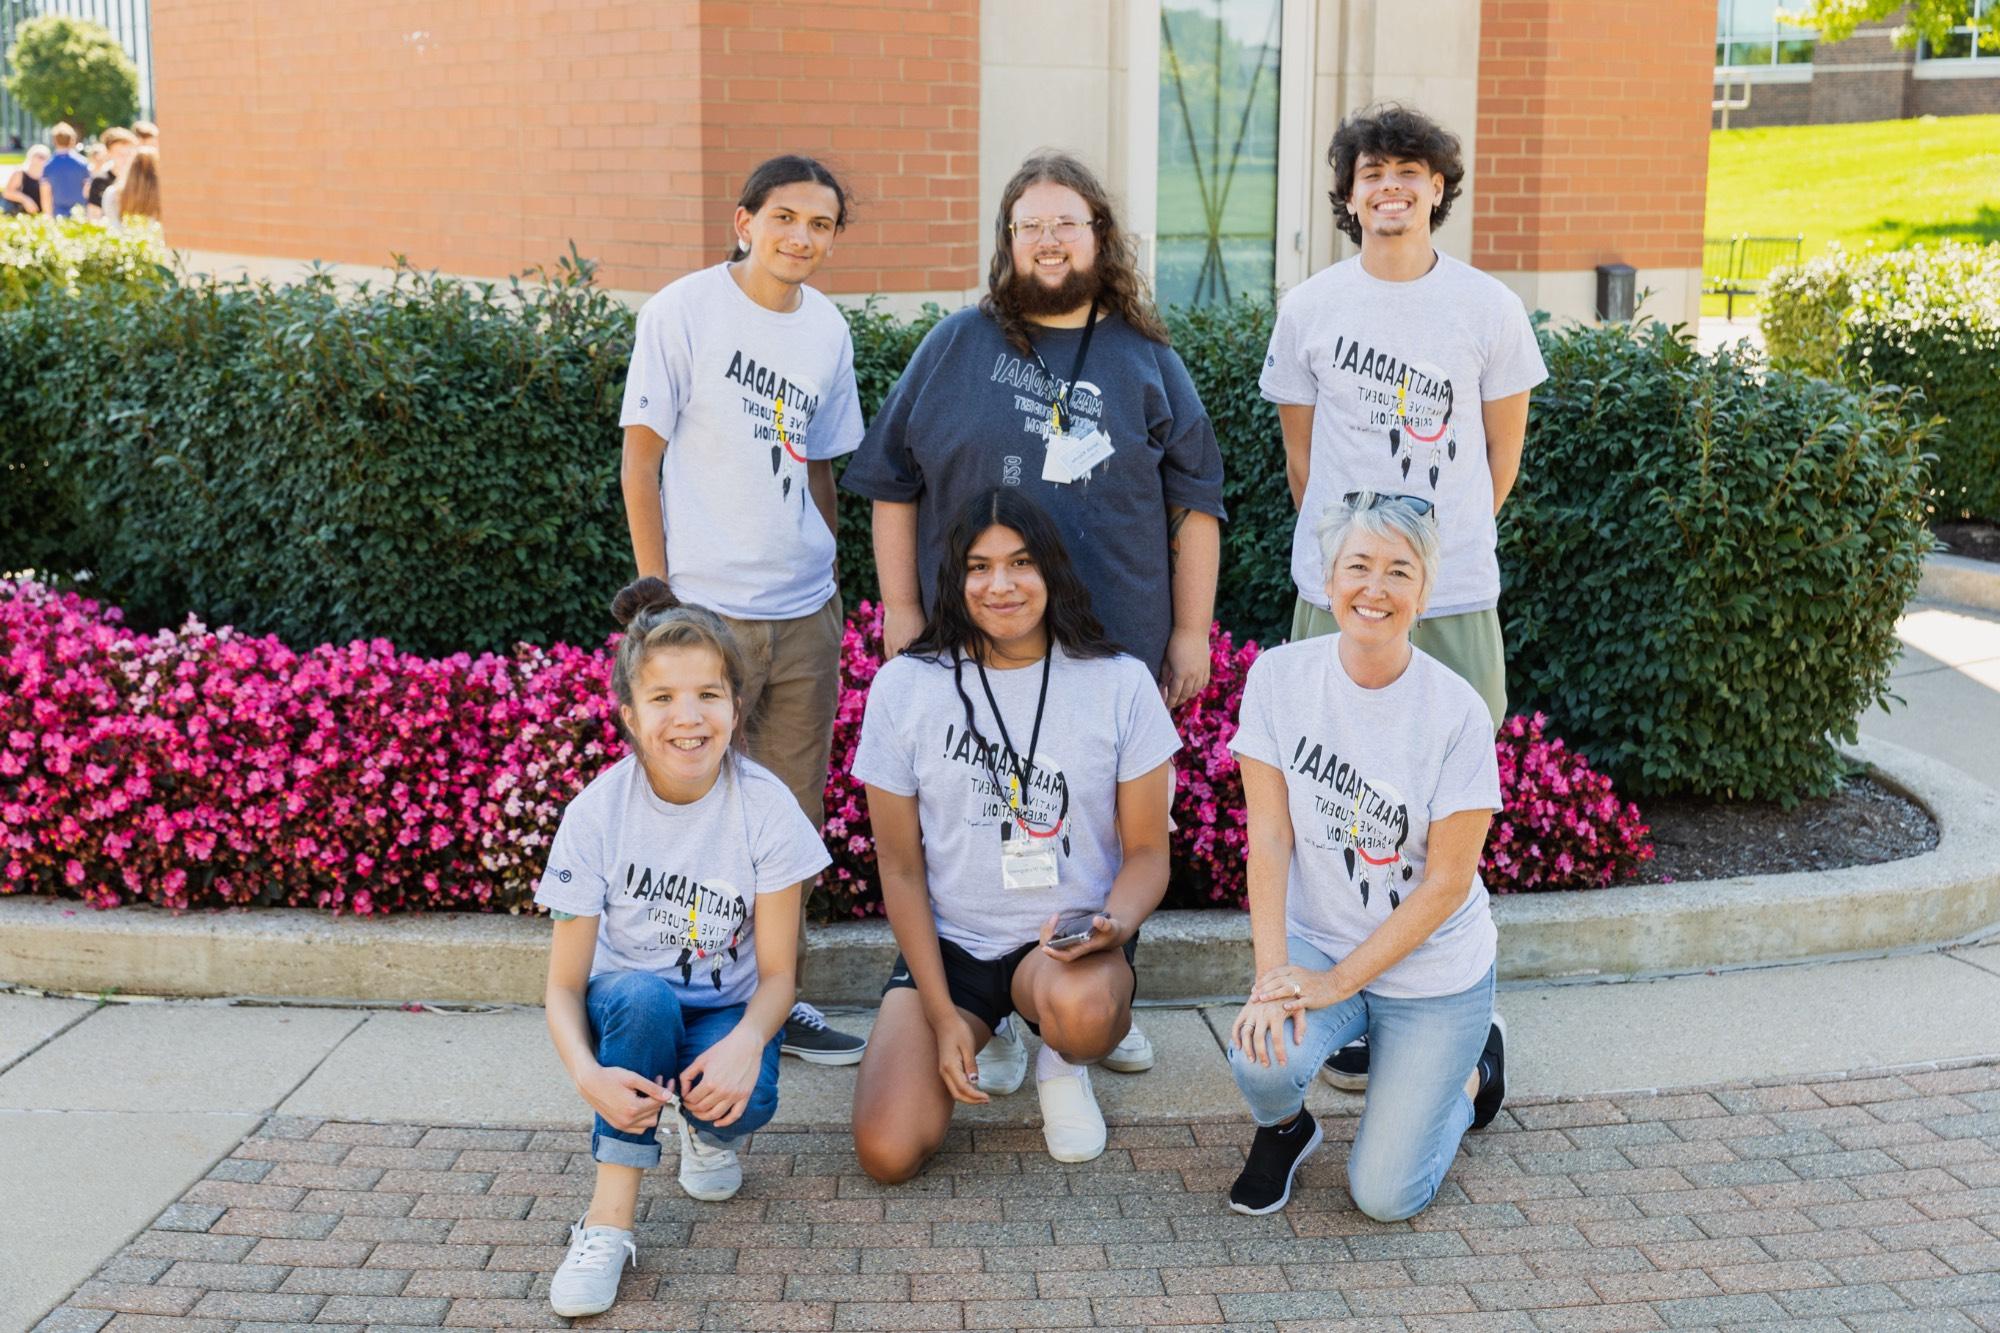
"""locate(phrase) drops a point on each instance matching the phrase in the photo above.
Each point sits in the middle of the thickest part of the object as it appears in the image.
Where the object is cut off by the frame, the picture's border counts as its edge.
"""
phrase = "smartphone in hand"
(1072, 930)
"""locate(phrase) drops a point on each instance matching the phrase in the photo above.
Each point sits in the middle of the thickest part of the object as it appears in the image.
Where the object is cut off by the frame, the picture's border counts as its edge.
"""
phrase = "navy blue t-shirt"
(68, 176)
(970, 412)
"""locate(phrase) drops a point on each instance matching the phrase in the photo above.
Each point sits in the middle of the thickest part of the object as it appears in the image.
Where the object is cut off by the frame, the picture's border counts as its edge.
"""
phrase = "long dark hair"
(790, 169)
(949, 631)
(1122, 288)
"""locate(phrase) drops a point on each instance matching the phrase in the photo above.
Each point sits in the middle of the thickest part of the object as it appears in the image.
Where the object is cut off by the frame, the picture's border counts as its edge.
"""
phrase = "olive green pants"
(1469, 644)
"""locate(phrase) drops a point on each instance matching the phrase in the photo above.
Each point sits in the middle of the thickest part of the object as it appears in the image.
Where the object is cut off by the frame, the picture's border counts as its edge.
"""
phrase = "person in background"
(147, 133)
(740, 395)
(137, 192)
(22, 194)
(117, 146)
(66, 176)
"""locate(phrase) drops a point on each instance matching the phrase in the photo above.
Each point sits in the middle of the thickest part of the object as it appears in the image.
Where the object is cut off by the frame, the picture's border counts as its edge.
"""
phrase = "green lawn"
(1889, 184)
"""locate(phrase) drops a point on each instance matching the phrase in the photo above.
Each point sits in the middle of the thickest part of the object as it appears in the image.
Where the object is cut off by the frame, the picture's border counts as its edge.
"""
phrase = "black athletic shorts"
(984, 987)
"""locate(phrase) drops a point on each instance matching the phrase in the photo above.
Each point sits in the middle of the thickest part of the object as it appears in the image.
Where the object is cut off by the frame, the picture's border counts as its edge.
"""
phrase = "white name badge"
(1025, 862)
(1073, 456)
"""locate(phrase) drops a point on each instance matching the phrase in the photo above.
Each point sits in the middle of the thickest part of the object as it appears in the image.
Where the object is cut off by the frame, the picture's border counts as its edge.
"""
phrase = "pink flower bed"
(1563, 827)
(199, 767)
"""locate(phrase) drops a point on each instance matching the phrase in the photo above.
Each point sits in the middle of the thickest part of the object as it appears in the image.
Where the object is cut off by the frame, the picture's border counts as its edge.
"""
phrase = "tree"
(1931, 20)
(74, 70)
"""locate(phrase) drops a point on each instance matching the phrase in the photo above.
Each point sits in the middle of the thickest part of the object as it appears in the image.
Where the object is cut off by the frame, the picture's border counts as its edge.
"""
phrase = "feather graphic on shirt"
(1407, 872)
(1395, 440)
(777, 458)
(785, 491)
(1406, 465)
(686, 965)
(1347, 853)
(1434, 476)
(1394, 900)
(1364, 893)
(1451, 448)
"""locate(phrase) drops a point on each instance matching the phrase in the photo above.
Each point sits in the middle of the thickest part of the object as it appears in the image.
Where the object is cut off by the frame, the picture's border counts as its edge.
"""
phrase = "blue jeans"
(639, 1024)
(1419, 1053)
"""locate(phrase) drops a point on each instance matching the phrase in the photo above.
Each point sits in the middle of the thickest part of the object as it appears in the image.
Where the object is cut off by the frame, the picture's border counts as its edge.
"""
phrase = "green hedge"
(434, 462)
(38, 252)
(1703, 564)
(1928, 319)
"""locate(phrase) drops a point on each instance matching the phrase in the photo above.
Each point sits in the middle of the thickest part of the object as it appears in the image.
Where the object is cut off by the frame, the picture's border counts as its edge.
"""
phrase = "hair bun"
(643, 595)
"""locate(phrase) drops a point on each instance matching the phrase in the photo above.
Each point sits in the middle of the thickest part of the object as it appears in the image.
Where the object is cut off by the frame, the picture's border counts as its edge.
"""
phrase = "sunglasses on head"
(1415, 503)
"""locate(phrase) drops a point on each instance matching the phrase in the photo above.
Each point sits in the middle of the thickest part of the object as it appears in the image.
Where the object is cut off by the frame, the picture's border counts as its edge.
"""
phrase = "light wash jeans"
(1419, 1053)
(639, 1024)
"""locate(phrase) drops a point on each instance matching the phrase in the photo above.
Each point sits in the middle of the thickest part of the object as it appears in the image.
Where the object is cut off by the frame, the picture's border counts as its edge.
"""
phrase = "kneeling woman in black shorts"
(1016, 766)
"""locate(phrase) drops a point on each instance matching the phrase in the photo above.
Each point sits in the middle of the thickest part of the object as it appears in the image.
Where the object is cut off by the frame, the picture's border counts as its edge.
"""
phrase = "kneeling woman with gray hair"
(1370, 776)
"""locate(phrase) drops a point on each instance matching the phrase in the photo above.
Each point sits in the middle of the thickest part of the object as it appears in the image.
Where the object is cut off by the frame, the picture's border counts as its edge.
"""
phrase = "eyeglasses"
(1064, 229)
(1376, 499)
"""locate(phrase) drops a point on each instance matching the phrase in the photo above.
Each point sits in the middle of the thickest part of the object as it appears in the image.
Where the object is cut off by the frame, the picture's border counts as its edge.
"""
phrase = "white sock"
(1049, 1065)
(1003, 1027)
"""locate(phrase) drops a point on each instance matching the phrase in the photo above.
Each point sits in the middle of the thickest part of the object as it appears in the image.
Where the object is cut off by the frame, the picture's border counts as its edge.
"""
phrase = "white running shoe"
(709, 1170)
(587, 1282)
(1072, 1125)
(1132, 1055)
(1003, 1062)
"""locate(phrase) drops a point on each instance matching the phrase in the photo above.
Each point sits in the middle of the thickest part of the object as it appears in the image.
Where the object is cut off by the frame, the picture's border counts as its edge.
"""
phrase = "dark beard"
(1032, 298)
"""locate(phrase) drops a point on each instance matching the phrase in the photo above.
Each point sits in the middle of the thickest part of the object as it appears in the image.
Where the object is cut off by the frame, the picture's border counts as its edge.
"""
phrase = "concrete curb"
(1933, 899)
(1962, 580)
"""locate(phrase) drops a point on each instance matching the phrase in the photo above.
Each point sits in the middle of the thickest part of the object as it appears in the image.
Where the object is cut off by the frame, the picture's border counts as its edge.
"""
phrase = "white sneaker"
(587, 1282)
(709, 1171)
(1072, 1125)
(1132, 1055)
(1003, 1062)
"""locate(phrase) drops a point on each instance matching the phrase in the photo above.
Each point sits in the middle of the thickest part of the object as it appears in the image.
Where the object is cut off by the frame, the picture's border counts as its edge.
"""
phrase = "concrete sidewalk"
(114, 1116)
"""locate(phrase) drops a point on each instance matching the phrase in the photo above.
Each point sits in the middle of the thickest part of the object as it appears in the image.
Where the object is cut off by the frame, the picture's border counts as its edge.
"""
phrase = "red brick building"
(486, 136)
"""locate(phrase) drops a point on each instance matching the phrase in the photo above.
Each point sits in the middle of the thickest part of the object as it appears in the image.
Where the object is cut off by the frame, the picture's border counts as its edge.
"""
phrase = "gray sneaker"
(587, 1282)
(808, 1037)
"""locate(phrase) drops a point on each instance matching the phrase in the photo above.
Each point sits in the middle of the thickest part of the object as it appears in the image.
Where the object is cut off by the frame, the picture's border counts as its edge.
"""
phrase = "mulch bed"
(1862, 824)
(1973, 537)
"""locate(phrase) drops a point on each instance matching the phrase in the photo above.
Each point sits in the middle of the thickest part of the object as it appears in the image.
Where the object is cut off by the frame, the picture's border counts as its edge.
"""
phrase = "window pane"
(1957, 46)
(1218, 191)
(1750, 53)
(1743, 17)
(1721, 54)
(1797, 51)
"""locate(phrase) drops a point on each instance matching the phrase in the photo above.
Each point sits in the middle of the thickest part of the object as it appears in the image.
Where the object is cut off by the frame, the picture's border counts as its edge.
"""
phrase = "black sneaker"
(1347, 1068)
(1492, 1075)
(808, 1037)
(1275, 1154)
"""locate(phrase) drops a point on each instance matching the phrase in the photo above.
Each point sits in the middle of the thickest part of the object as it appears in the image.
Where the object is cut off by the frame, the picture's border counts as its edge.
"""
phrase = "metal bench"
(1737, 265)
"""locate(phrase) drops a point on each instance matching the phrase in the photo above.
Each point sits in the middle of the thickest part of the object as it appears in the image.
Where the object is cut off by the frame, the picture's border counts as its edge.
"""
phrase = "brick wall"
(1586, 153)
(483, 136)
(1955, 97)
(1770, 104)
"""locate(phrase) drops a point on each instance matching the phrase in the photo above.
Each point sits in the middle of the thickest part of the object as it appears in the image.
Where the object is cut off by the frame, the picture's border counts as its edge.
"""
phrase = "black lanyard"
(1023, 773)
(1061, 405)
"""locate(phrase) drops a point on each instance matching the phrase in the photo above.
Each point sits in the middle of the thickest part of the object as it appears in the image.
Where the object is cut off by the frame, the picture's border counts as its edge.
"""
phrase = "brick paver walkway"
(1860, 1203)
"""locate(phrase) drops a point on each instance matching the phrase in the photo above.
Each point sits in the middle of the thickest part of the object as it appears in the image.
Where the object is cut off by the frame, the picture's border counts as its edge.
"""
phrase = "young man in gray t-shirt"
(1404, 371)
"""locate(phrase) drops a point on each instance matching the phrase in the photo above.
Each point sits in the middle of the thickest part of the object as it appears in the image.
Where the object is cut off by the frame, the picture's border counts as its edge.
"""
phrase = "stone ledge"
(1961, 580)
(1937, 898)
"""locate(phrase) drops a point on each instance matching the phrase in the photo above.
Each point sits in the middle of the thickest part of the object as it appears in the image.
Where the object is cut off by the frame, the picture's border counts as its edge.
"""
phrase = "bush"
(69, 69)
(1561, 825)
(1223, 347)
(1704, 564)
(883, 345)
(1926, 319)
(430, 461)
(68, 254)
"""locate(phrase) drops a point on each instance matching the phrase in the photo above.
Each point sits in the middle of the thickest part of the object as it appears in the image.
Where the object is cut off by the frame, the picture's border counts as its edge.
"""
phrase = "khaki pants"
(791, 689)
(1470, 644)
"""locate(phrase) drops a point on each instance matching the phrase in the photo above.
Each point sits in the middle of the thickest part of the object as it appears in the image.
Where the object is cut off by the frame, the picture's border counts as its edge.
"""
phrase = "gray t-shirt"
(674, 886)
(1367, 772)
(970, 412)
(744, 397)
(1397, 374)
(1104, 725)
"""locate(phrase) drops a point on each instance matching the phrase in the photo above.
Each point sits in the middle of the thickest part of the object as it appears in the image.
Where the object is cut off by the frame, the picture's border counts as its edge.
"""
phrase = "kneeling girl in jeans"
(1016, 766)
(674, 880)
